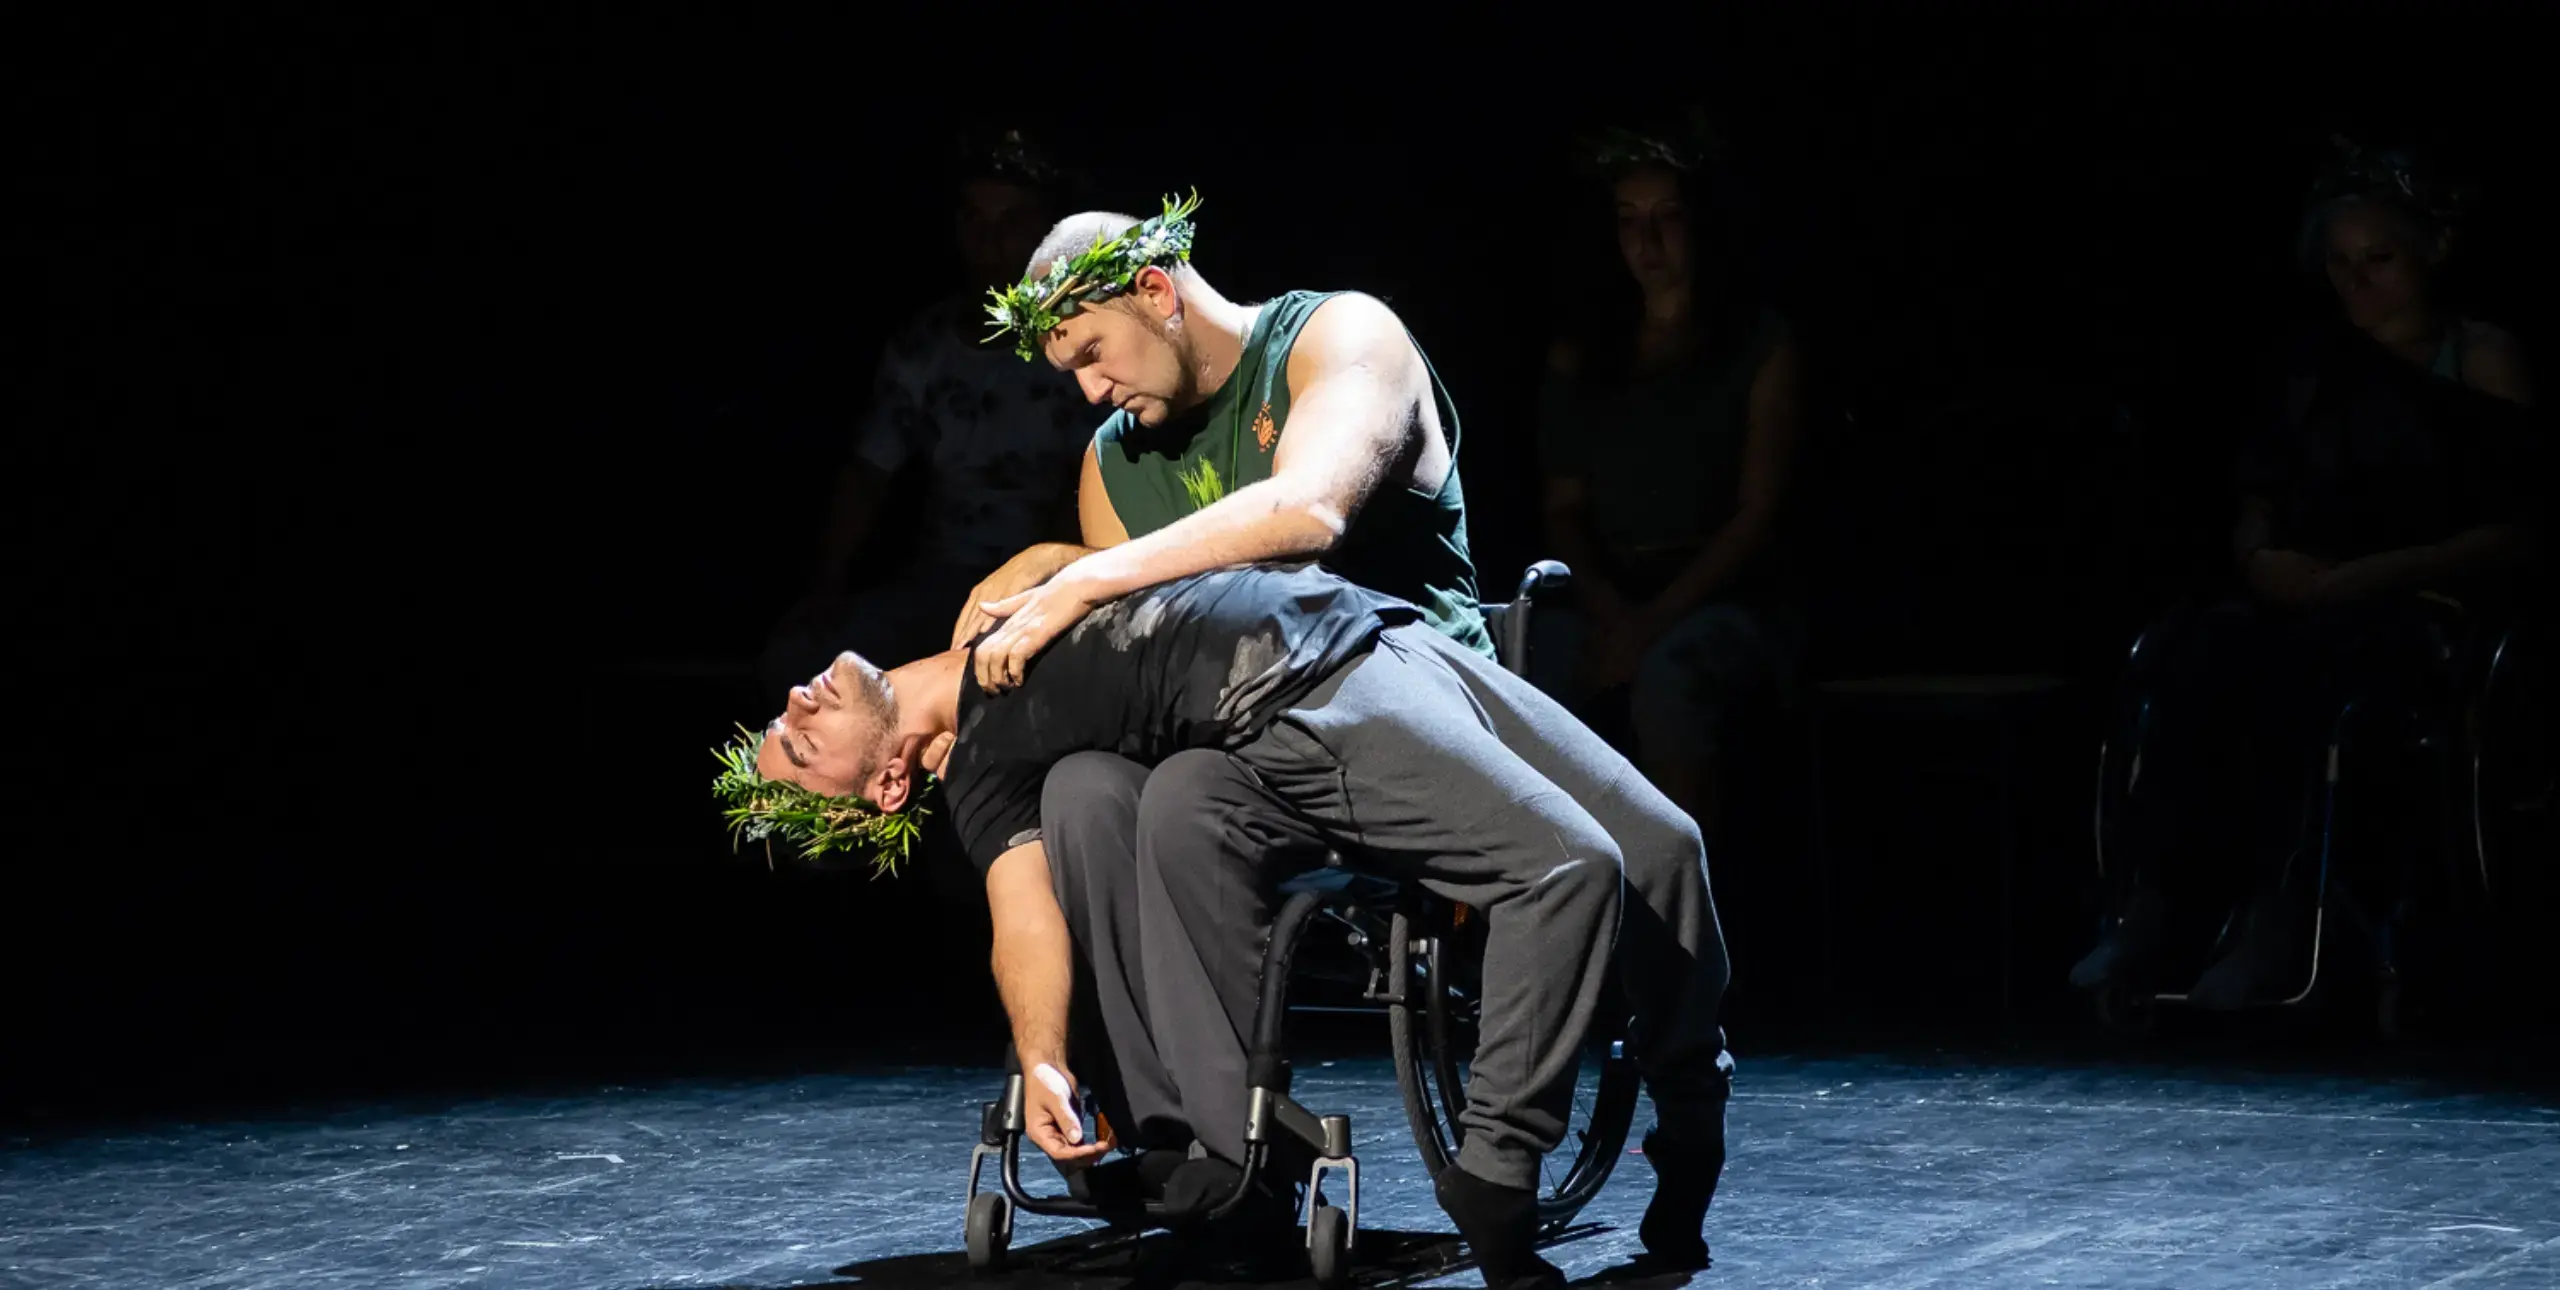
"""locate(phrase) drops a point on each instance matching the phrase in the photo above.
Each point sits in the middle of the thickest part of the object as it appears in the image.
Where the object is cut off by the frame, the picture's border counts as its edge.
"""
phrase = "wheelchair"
(2481, 728)
(1412, 955)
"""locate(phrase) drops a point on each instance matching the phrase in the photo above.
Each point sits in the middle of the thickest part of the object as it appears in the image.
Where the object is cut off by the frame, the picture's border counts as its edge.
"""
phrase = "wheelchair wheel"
(1434, 1033)
(990, 1231)
(2126, 1013)
(2514, 781)
(1329, 1245)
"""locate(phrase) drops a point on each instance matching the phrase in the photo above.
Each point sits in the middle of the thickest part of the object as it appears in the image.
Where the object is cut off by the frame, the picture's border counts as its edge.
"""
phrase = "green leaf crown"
(1034, 307)
(760, 809)
(1686, 141)
(1010, 155)
(2394, 174)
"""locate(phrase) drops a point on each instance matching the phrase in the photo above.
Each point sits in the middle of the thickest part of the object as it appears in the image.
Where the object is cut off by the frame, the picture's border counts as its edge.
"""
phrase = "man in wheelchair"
(1409, 753)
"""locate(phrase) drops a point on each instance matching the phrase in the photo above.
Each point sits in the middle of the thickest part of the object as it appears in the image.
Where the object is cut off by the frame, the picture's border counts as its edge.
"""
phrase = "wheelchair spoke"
(1562, 1163)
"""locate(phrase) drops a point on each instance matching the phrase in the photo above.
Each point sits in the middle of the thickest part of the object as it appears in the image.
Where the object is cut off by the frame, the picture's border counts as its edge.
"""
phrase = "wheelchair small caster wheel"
(2126, 1013)
(1329, 1245)
(990, 1230)
(2394, 1015)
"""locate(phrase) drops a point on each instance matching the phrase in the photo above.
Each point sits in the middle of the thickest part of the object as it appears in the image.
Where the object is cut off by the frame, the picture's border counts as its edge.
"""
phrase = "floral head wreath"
(1687, 143)
(2391, 174)
(760, 809)
(1008, 154)
(1034, 307)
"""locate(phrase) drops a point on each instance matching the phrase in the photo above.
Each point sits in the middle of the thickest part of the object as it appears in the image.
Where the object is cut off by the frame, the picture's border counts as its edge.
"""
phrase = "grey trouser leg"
(1089, 827)
(1671, 951)
(1396, 756)
(1212, 847)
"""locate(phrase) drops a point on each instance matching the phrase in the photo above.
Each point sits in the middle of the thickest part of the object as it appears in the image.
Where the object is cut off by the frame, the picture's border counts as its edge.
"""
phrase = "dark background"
(404, 402)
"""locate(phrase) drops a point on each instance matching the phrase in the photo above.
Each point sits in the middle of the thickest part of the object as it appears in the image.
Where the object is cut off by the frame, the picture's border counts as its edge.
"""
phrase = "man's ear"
(1155, 286)
(895, 780)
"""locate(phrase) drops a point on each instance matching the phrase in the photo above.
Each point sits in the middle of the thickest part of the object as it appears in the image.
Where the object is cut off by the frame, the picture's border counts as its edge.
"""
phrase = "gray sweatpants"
(1166, 878)
(1420, 761)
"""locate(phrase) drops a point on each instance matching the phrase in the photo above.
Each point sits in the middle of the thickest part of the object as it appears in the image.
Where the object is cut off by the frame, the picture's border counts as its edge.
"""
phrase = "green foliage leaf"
(760, 810)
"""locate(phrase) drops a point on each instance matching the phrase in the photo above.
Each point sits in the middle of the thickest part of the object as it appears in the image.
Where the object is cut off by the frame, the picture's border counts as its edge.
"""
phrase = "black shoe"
(1194, 1189)
(2263, 959)
(1257, 1240)
(1500, 1225)
(2129, 952)
(1155, 1169)
(1684, 1185)
(1125, 1180)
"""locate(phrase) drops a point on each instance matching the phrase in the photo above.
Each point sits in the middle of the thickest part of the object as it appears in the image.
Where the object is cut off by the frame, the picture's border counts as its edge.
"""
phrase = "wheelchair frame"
(2477, 667)
(1405, 976)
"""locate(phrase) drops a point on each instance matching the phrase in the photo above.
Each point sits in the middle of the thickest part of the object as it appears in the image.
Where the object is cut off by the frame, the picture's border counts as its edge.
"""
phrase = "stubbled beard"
(883, 704)
(1187, 387)
(877, 703)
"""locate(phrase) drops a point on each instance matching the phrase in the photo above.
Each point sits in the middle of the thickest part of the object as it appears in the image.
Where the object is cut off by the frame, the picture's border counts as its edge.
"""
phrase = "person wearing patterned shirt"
(987, 447)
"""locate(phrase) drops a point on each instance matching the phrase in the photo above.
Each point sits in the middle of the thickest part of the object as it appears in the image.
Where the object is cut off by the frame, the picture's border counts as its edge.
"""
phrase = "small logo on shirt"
(1264, 432)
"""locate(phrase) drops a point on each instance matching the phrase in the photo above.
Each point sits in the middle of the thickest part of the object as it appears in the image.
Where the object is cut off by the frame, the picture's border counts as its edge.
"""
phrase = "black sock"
(1685, 1176)
(1120, 1186)
(1500, 1225)
(1156, 1166)
(1195, 1187)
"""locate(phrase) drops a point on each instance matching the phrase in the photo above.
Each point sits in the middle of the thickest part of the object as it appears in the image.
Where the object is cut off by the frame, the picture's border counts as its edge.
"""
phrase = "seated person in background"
(1416, 756)
(989, 443)
(2391, 486)
(1668, 439)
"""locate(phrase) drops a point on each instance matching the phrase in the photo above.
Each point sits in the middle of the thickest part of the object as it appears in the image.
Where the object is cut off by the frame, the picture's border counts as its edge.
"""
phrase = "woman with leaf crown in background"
(1668, 438)
(2388, 490)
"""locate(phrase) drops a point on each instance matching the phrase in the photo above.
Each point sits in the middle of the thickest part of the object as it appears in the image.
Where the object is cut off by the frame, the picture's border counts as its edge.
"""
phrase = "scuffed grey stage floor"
(1845, 1173)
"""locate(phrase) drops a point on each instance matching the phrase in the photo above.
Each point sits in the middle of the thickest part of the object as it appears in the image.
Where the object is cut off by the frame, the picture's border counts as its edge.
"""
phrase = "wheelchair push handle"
(1545, 575)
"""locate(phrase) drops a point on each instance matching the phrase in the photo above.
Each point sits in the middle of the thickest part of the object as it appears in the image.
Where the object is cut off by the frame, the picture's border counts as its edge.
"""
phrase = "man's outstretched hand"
(1028, 622)
(1024, 571)
(1050, 1120)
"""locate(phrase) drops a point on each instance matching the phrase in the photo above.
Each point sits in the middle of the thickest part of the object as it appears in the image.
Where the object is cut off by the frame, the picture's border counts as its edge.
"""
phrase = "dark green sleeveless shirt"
(1408, 544)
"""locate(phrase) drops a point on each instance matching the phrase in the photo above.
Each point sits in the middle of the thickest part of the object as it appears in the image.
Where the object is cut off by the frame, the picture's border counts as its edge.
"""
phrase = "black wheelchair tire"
(1425, 1075)
(1329, 1245)
(990, 1231)
(2126, 1014)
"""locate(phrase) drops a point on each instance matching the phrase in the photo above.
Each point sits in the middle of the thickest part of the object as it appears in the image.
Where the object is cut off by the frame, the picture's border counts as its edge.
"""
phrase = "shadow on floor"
(1165, 1261)
(1103, 1260)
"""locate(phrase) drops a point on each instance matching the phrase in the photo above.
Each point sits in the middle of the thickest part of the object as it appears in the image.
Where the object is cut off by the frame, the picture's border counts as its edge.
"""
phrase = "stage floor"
(1853, 1173)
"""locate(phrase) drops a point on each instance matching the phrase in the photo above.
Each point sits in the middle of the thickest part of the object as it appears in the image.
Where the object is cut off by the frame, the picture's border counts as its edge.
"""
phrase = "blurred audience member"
(1667, 440)
(2388, 493)
(986, 444)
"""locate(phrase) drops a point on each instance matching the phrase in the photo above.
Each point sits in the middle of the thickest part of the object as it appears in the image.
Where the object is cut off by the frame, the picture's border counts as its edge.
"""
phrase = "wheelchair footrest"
(1272, 1110)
